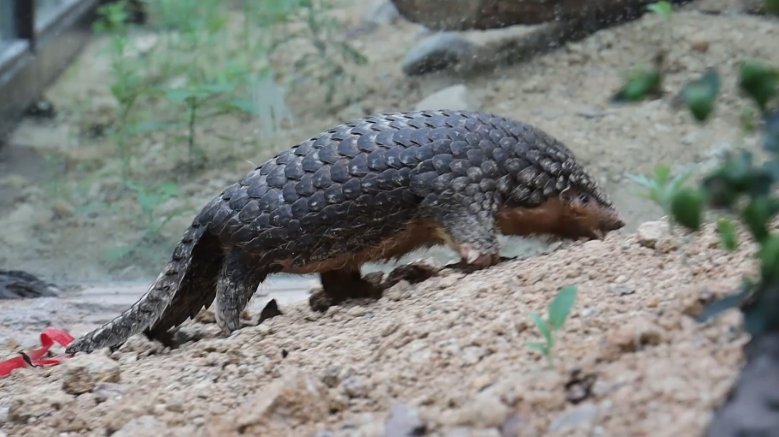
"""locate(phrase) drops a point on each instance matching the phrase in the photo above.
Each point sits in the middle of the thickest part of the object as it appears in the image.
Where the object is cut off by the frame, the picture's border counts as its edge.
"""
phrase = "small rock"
(356, 387)
(293, 399)
(699, 44)
(332, 376)
(399, 291)
(62, 209)
(621, 289)
(484, 411)
(107, 390)
(649, 233)
(404, 422)
(461, 431)
(390, 328)
(437, 52)
(637, 332)
(381, 13)
(142, 426)
(513, 426)
(355, 311)
(37, 402)
(455, 97)
(83, 373)
(582, 415)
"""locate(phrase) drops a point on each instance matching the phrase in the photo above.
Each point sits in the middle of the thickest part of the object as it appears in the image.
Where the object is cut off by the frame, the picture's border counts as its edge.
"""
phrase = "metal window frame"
(38, 54)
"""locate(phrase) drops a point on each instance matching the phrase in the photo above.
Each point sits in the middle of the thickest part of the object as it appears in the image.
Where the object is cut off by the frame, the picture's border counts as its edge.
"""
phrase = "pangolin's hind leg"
(238, 281)
(197, 289)
(341, 285)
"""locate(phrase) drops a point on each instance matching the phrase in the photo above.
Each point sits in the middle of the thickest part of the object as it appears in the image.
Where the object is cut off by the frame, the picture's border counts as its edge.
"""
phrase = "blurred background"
(121, 119)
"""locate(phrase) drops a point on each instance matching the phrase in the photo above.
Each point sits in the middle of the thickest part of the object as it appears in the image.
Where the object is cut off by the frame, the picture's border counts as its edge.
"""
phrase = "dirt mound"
(447, 355)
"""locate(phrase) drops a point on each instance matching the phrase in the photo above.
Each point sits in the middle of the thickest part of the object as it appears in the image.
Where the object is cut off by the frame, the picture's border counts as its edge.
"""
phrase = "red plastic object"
(38, 357)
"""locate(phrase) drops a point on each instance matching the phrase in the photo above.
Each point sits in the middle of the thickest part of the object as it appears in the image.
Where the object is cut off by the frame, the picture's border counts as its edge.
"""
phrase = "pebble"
(356, 387)
(455, 97)
(381, 13)
(83, 373)
(578, 416)
(142, 426)
(484, 411)
(404, 421)
(635, 333)
(621, 289)
(649, 233)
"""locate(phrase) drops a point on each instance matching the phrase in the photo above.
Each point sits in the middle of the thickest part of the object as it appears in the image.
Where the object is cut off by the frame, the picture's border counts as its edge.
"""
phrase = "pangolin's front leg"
(469, 225)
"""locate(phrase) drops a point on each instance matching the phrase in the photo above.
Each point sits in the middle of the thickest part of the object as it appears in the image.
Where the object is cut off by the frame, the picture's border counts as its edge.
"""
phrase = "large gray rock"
(492, 14)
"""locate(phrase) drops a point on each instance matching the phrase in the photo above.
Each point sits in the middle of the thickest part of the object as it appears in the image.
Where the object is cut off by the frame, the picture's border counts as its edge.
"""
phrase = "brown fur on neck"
(564, 216)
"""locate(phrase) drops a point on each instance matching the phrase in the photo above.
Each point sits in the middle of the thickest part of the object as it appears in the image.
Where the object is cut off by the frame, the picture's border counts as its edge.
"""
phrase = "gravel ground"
(447, 355)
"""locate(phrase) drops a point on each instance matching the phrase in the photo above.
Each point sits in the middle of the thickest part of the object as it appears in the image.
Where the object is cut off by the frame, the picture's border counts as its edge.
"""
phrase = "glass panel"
(48, 9)
(7, 27)
(43, 8)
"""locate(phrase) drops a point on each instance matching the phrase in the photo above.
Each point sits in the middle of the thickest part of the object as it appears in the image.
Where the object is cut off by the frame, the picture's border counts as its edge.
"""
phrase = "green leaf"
(561, 306)
(542, 326)
(756, 216)
(687, 208)
(540, 347)
(727, 234)
(772, 6)
(179, 95)
(661, 8)
(662, 173)
(169, 189)
(769, 258)
(700, 95)
(641, 83)
(759, 81)
(244, 105)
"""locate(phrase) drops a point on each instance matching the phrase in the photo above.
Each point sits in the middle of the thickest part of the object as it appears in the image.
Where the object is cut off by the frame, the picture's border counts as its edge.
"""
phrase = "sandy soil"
(448, 354)
(631, 360)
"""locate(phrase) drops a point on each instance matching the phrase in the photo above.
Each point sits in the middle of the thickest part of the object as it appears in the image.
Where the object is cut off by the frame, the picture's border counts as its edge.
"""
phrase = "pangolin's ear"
(568, 195)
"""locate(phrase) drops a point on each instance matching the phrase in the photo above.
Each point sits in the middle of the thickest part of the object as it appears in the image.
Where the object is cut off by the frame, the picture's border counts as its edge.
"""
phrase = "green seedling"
(661, 8)
(558, 311)
(642, 83)
(727, 233)
(699, 95)
(662, 188)
(760, 82)
(740, 187)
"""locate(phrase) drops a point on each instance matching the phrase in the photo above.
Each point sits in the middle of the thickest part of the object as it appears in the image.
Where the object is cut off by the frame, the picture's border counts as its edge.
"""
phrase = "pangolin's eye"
(584, 198)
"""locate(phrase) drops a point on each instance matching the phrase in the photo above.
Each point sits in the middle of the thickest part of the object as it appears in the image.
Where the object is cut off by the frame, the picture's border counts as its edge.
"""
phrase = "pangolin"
(369, 190)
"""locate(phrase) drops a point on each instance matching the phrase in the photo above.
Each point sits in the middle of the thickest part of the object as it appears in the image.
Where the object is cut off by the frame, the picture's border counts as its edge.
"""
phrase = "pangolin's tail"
(175, 283)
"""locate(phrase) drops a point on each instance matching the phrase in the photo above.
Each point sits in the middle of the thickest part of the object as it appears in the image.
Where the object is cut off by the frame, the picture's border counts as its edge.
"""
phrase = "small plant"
(128, 83)
(741, 188)
(641, 82)
(558, 311)
(661, 8)
(327, 55)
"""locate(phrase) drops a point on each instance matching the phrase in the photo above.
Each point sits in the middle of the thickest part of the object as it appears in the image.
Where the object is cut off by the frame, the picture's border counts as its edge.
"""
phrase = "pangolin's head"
(567, 205)
(587, 214)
